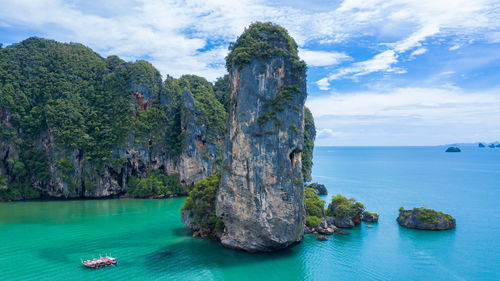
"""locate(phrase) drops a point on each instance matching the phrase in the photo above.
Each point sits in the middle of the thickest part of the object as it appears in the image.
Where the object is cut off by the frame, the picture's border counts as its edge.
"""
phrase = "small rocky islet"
(427, 219)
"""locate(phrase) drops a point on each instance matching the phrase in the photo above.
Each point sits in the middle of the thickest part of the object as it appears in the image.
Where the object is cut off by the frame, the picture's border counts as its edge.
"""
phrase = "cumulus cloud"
(323, 84)
(175, 35)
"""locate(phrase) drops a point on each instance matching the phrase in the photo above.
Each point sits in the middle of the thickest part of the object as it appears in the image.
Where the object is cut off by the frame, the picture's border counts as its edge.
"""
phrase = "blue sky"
(385, 72)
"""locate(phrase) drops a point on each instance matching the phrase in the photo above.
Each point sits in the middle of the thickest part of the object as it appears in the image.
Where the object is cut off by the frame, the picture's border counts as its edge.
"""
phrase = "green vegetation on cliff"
(213, 113)
(278, 104)
(314, 207)
(309, 137)
(156, 184)
(263, 41)
(63, 105)
(222, 90)
(61, 91)
(200, 204)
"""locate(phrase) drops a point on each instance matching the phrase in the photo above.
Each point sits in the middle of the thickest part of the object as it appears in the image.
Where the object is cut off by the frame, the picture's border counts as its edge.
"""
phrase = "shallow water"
(45, 240)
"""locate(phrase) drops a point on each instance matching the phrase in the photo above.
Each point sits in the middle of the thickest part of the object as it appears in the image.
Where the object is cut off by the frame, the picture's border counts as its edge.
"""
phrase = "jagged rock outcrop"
(325, 227)
(261, 194)
(319, 189)
(423, 218)
(198, 157)
(369, 217)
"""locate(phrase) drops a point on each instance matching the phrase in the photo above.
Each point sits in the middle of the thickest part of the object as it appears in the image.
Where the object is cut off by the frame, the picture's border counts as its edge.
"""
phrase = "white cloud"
(322, 58)
(447, 73)
(414, 22)
(417, 52)
(176, 34)
(428, 115)
(323, 84)
(493, 37)
(326, 133)
(380, 62)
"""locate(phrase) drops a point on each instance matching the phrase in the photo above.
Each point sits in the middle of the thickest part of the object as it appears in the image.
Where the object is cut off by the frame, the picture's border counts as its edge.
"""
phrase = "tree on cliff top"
(262, 41)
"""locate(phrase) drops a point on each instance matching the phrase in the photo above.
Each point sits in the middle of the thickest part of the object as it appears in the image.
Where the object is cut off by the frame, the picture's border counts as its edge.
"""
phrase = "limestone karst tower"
(261, 194)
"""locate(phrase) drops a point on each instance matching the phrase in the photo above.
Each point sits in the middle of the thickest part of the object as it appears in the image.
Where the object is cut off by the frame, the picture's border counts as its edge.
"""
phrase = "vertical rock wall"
(261, 197)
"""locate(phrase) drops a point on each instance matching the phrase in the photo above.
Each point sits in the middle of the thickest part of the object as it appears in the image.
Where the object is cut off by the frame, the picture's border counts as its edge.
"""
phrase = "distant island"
(453, 149)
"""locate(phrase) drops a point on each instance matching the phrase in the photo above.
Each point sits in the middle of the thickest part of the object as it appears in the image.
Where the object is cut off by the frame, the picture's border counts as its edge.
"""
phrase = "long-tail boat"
(100, 262)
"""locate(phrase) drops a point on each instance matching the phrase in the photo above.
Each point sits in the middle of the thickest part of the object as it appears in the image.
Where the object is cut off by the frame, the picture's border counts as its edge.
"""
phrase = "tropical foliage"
(262, 41)
(156, 184)
(309, 137)
(200, 204)
(314, 207)
(344, 208)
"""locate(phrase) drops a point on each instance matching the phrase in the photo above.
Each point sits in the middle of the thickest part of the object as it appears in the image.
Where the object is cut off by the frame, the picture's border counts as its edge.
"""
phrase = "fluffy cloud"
(192, 36)
(382, 61)
(425, 19)
(417, 52)
(322, 58)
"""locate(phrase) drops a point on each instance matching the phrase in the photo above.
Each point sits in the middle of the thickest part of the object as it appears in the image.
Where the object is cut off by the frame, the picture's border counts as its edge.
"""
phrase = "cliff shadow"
(207, 253)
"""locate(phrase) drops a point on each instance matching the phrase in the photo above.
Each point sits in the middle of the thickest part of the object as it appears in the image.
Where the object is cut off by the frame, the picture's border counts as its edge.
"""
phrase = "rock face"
(198, 157)
(326, 227)
(369, 217)
(261, 195)
(481, 144)
(320, 189)
(422, 218)
(453, 149)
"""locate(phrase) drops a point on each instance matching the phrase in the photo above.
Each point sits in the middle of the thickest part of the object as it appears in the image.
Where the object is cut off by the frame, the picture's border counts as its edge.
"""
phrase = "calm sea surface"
(45, 240)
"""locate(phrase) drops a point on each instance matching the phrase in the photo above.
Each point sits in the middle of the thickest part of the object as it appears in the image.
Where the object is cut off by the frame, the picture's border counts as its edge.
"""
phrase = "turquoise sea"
(45, 240)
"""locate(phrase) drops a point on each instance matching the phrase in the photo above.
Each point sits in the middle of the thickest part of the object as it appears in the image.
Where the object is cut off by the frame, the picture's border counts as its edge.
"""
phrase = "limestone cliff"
(261, 194)
(76, 125)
